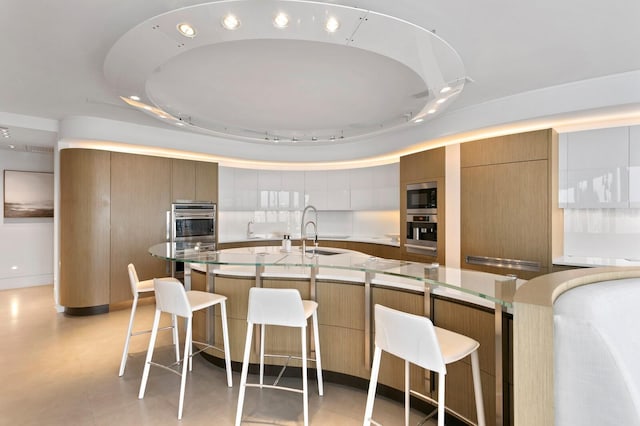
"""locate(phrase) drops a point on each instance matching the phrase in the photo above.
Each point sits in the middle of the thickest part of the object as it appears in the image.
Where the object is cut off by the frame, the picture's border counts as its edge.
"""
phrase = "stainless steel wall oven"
(191, 222)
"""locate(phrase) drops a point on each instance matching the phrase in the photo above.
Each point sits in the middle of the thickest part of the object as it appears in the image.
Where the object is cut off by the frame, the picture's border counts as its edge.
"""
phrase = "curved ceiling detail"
(294, 84)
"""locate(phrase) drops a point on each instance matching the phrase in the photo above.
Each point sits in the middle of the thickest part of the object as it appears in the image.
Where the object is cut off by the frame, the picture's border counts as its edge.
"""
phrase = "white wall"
(26, 245)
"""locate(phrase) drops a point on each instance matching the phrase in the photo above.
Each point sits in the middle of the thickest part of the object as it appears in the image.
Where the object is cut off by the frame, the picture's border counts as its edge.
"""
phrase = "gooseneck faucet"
(303, 227)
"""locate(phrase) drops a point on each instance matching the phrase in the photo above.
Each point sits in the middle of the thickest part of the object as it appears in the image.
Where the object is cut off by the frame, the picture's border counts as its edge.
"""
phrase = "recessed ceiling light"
(281, 20)
(441, 100)
(431, 111)
(12, 146)
(332, 25)
(418, 120)
(187, 30)
(179, 123)
(445, 89)
(230, 22)
(134, 97)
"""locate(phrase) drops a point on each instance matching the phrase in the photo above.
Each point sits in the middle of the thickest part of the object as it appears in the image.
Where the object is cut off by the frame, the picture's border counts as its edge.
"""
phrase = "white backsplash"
(232, 225)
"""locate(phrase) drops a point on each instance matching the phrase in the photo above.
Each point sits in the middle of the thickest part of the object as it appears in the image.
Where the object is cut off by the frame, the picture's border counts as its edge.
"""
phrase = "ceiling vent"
(39, 149)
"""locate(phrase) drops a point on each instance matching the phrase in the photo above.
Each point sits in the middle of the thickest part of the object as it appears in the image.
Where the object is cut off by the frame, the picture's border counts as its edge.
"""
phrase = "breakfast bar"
(347, 284)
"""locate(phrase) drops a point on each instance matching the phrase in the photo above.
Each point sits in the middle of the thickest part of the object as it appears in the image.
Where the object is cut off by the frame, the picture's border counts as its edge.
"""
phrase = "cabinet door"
(226, 184)
(140, 197)
(361, 188)
(505, 213)
(206, 181)
(292, 193)
(386, 187)
(246, 189)
(597, 168)
(84, 227)
(269, 185)
(315, 189)
(183, 179)
(634, 166)
(422, 166)
(338, 190)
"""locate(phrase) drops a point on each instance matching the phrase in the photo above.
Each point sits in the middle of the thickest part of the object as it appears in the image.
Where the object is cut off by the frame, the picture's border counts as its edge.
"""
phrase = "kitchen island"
(347, 285)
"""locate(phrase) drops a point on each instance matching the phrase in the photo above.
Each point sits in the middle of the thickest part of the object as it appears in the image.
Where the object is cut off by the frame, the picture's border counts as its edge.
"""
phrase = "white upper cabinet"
(361, 188)
(634, 166)
(315, 189)
(596, 174)
(338, 190)
(386, 187)
(292, 193)
(369, 188)
(246, 189)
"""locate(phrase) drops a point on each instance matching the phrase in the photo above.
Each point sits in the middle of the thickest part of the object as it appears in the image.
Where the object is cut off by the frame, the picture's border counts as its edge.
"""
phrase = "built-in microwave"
(422, 198)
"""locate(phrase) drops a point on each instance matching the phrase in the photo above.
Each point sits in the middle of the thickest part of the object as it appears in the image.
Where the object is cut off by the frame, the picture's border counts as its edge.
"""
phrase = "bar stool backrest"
(133, 279)
(276, 306)
(171, 297)
(410, 337)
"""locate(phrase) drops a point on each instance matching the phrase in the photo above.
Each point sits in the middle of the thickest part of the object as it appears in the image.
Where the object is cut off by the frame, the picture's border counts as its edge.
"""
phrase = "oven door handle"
(415, 246)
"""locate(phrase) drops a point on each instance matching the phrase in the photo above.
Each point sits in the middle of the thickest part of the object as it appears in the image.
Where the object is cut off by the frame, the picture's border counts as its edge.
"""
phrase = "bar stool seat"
(172, 298)
(416, 340)
(282, 307)
(137, 288)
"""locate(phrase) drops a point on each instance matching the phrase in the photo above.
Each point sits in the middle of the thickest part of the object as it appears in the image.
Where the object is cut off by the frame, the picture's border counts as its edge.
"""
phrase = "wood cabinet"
(140, 197)
(426, 166)
(509, 205)
(113, 207)
(85, 217)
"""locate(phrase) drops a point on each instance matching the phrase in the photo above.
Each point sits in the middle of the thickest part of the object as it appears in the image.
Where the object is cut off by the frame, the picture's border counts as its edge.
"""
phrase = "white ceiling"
(527, 60)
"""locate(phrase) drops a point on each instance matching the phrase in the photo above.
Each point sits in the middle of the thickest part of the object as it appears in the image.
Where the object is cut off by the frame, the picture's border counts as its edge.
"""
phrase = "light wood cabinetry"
(113, 208)
(425, 166)
(140, 197)
(85, 189)
(509, 207)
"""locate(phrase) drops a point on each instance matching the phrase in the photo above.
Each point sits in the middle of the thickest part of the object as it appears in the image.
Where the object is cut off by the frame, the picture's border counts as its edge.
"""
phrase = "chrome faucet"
(304, 225)
(249, 229)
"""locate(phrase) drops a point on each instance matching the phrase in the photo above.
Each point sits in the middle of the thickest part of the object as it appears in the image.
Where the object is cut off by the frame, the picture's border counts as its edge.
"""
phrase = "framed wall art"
(28, 194)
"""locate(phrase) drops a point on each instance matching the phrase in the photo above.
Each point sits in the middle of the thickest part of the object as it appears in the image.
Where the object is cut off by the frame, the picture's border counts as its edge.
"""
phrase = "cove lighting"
(187, 30)
(332, 25)
(230, 22)
(281, 20)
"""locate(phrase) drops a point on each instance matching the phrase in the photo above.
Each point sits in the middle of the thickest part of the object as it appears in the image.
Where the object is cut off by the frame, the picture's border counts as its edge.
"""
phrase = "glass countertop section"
(492, 287)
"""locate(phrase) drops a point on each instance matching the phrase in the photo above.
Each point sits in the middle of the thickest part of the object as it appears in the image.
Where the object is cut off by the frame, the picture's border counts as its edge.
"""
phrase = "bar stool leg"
(305, 394)
(477, 387)
(186, 360)
(441, 380)
(263, 330)
(225, 341)
(152, 343)
(125, 352)
(407, 386)
(373, 384)
(316, 336)
(243, 376)
(175, 338)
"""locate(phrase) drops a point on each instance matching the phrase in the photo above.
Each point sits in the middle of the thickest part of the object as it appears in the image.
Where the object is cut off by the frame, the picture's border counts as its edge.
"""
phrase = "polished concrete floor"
(61, 370)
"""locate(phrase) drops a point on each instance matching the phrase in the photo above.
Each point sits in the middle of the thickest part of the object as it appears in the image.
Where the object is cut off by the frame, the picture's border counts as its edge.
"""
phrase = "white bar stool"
(172, 298)
(138, 287)
(416, 340)
(283, 307)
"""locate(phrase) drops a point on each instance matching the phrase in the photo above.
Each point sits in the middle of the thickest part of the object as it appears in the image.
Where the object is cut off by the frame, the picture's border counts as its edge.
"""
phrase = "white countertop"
(385, 240)
(593, 262)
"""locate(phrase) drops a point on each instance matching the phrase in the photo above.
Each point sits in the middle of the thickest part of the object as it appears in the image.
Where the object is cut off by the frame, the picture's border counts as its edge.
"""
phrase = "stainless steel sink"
(322, 252)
